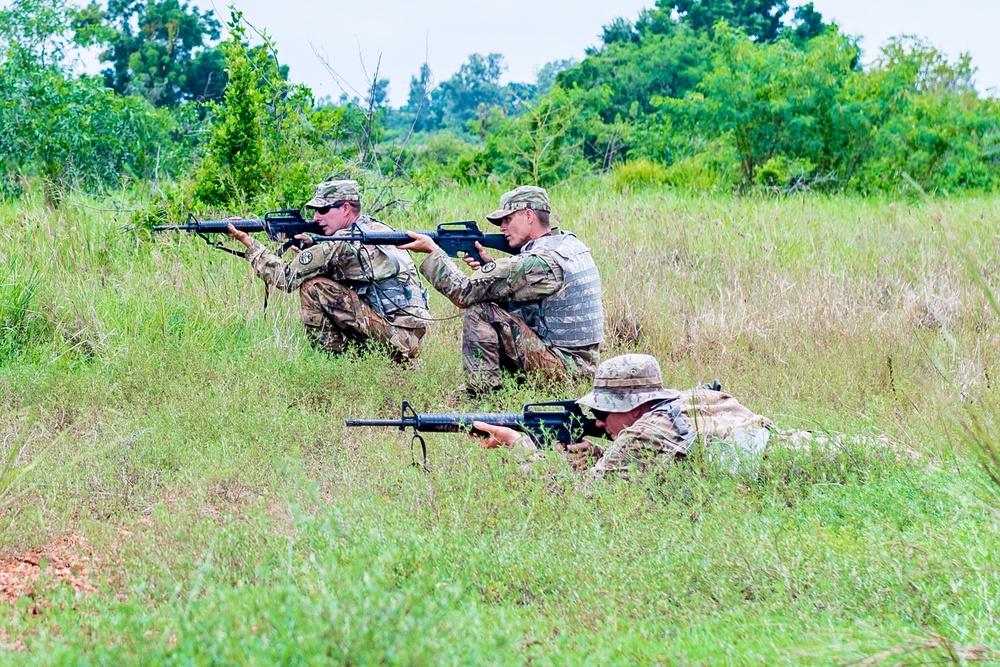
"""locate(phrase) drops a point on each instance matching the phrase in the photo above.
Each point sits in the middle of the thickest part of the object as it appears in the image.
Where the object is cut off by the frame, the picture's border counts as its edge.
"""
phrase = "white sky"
(530, 33)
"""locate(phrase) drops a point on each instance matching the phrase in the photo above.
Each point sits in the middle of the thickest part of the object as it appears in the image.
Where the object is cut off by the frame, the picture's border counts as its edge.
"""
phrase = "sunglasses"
(323, 210)
(600, 415)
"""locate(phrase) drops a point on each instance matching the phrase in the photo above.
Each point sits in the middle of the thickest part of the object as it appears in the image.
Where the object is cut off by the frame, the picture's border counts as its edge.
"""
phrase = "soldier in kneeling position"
(537, 312)
(350, 293)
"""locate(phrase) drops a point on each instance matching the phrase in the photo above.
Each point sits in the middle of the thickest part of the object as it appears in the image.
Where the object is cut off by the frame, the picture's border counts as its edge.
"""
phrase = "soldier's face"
(333, 218)
(517, 228)
(614, 422)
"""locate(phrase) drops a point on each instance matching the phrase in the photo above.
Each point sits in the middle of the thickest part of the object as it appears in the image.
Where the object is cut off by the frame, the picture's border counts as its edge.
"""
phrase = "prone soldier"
(648, 422)
(538, 311)
(350, 293)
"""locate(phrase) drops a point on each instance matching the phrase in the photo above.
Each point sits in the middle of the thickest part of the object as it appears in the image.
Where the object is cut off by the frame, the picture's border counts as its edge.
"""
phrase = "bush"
(638, 174)
(707, 171)
(67, 129)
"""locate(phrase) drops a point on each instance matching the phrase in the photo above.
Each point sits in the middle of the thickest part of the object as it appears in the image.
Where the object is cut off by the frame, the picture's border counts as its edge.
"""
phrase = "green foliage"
(199, 463)
(74, 130)
(919, 120)
(270, 144)
(773, 99)
(34, 31)
(540, 145)
(635, 174)
(633, 73)
(458, 99)
(710, 170)
(156, 48)
(808, 117)
(21, 324)
(761, 20)
(66, 128)
(235, 167)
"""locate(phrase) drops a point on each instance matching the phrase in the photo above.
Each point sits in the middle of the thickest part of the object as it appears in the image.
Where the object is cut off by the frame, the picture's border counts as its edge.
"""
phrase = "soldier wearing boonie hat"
(539, 311)
(624, 383)
(350, 293)
(646, 420)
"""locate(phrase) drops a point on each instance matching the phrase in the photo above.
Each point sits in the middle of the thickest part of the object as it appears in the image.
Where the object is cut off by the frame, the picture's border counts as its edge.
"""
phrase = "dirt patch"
(67, 558)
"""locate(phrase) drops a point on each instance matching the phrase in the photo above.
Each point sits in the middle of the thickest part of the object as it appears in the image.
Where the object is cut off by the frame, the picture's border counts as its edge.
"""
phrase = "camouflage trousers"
(493, 340)
(335, 316)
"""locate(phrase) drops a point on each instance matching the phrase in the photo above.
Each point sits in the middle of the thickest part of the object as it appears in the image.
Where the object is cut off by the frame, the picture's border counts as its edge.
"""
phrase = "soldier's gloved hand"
(420, 243)
(473, 264)
(242, 237)
(499, 436)
(581, 455)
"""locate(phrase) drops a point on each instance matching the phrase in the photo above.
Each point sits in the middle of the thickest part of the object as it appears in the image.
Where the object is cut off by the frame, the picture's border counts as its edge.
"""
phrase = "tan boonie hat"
(331, 192)
(624, 383)
(519, 199)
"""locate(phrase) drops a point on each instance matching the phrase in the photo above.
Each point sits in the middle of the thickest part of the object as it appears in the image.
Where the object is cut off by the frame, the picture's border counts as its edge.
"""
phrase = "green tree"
(476, 85)
(417, 111)
(775, 99)
(917, 121)
(660, 63)
(270, 143)
(235, 167)
(761, 20)
(34, 31)
(156, 48)
(65, 128)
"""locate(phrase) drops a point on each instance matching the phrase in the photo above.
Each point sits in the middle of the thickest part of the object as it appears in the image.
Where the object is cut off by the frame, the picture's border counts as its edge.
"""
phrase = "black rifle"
(452, 237)
(280, 226)
(545, 423)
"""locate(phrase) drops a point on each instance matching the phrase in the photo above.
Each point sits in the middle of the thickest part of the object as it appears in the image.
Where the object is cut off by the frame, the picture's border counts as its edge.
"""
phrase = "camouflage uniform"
(676, 422)
(505, 324)
(351, 293)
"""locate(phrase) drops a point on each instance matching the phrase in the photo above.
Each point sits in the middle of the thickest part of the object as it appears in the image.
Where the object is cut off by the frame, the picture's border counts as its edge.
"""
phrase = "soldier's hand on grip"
(471, 261)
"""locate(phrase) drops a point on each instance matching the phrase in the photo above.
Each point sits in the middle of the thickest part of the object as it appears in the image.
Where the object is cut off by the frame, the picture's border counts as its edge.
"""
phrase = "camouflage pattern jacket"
(673, 427)
(351, 264)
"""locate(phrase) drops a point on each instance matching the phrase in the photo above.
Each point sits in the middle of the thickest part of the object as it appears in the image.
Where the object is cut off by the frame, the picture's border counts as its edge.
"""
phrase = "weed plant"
(198, 446)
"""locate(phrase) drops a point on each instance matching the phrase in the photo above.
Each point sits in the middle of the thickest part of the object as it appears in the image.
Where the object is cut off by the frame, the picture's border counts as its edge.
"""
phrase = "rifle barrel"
(394, 423)
(214, 226)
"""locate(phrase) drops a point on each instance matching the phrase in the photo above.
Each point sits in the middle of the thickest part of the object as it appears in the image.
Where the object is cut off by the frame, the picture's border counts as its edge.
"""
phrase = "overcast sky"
(530, 33)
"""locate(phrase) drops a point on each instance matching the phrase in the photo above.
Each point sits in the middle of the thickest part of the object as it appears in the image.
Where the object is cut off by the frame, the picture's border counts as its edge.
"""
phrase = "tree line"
(695, 94)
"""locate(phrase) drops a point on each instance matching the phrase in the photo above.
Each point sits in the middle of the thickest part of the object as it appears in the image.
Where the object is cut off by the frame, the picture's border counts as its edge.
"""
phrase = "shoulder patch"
(305, 257)
(489, 266)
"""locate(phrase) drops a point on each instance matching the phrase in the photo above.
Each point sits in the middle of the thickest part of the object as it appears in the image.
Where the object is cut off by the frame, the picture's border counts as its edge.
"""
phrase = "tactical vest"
(573, 316)
(675, 410)
(399, 292)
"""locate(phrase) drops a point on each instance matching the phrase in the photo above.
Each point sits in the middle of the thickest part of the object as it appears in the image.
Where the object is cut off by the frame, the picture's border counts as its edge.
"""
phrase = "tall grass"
(198, 446)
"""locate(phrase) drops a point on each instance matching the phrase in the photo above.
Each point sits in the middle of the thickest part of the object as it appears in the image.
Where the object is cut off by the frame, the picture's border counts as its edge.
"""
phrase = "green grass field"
(189, 453)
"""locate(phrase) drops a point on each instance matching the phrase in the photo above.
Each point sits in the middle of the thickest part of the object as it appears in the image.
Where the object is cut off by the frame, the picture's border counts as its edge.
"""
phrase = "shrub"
(637, 174)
